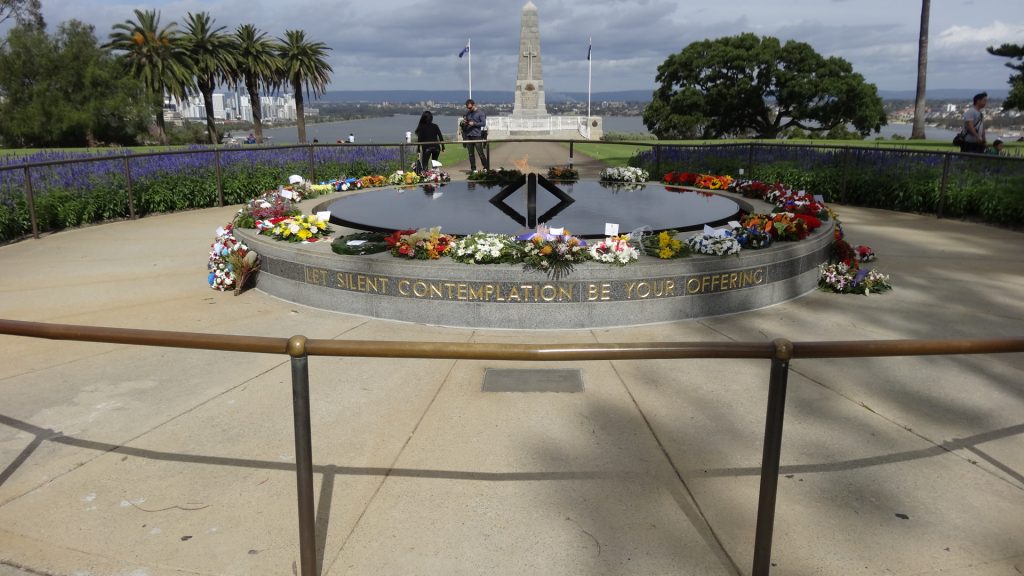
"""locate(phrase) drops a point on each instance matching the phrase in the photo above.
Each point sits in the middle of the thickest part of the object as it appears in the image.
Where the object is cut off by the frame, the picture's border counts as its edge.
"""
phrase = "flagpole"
(590, 68)
(470, 54)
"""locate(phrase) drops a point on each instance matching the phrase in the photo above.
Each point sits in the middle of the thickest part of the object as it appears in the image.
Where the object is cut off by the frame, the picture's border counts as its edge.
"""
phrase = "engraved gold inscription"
(643, 289)
(316, 276)
(639, 289)
(602, 291)
(725, 281)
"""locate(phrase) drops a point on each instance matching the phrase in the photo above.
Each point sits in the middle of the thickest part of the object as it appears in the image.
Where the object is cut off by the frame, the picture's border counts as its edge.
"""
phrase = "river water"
(392, 129)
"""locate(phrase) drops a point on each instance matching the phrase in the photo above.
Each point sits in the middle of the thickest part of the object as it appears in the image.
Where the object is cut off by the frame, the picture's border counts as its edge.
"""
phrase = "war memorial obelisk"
(529, 101)
(530, 118)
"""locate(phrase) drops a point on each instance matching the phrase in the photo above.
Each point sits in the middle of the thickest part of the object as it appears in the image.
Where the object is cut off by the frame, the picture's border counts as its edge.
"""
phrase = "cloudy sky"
(412, 44)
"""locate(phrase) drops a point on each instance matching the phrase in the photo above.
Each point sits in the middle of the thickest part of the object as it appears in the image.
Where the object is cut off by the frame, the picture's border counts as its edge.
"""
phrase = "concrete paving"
(128, 460)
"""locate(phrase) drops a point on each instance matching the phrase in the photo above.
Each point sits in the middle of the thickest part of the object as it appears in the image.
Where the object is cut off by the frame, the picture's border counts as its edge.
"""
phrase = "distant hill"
(482, 96)
(508, 97)
(953, 94)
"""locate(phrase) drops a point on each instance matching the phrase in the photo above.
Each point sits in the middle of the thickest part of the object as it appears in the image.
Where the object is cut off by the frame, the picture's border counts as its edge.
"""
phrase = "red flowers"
(396, 237)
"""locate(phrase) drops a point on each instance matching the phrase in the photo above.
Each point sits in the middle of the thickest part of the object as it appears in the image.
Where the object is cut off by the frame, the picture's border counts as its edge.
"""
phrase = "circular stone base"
(445, 292)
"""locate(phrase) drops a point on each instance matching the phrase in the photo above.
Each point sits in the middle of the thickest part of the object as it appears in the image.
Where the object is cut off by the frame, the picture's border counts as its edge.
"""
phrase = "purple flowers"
(94, 185)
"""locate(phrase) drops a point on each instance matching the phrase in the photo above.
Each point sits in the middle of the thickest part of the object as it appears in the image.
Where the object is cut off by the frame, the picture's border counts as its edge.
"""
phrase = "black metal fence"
(53, 191)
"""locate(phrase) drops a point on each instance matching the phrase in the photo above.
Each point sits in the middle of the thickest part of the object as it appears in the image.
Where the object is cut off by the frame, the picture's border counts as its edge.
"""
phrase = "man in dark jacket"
(473, 125)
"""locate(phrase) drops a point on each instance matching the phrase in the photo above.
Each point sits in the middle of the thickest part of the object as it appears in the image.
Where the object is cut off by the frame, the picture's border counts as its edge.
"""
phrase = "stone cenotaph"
(530, 118)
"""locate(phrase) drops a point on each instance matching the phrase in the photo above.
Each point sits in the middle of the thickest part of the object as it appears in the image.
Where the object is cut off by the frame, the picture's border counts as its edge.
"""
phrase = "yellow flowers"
(664, 245)
(307, 228)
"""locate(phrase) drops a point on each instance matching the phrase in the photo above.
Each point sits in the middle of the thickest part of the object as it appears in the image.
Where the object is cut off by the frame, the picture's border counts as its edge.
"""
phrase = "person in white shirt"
(974, 126)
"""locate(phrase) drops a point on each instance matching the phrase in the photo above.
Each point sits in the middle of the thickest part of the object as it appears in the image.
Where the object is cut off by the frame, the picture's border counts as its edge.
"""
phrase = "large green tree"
(156, 56)
(24, 12)
(746, 84)
(1015, 52)
(258, 66)
(66, 90)
(304, 65)
(212, 54)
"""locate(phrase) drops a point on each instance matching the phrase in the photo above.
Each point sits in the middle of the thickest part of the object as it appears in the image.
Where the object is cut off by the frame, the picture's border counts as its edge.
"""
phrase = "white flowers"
(714, 245)
(627, 174)
(483, 248)
(613, 251)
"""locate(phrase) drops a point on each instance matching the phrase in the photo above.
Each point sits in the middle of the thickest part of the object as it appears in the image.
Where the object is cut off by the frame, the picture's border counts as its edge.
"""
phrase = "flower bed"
(94, 188)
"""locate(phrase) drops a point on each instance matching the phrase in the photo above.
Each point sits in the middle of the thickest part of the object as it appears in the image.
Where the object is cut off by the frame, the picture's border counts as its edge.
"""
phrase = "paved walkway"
(125, 460)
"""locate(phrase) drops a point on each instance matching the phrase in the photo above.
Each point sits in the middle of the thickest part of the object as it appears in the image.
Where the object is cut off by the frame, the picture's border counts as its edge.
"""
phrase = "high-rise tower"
(530, 75)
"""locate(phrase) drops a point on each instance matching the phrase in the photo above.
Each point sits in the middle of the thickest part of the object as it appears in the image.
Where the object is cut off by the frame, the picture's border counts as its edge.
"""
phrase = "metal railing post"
(312, 164)
(31, 203)
(303, 455)
(401, 157)
(220, 179)
(570, 154)
(128, 180)
(770, 459)
(943, 184)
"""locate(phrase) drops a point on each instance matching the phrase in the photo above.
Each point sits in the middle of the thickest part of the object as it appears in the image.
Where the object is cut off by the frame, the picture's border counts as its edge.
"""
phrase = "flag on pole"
(464, 50)
(590, 46)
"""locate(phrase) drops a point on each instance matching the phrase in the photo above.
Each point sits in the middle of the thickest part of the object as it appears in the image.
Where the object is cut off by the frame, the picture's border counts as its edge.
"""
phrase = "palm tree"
(213, 54)
(156, 56)
(257, 65)
(922, 73)
(304, 64)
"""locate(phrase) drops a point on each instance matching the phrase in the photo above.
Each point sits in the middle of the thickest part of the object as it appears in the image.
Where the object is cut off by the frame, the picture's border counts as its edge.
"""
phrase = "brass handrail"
(483, 351)
(779, 351)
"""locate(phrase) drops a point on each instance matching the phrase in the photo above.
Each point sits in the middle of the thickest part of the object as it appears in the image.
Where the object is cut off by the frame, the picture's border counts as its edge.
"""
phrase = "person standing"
(974, 126)
(473, 125)
(429, 136)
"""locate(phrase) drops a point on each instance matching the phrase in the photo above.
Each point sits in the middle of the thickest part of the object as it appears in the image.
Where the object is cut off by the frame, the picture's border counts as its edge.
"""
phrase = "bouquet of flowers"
(422, 244)
(268, 205)
(615, 250)
(563, 173)
(435, 176)
(680, 178)
(714, 245)
(501, 175)
(665, 245)
(307, 228)
(712, 182)
(553, 254)
(231, 262)
(864, 254)
(749, 188)
(403, 178)
(780, 225)
(371, 181)
(754, 237)
(627, 174)
(343, 183)
(842, 279)
(320, 189)
(484, 248)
